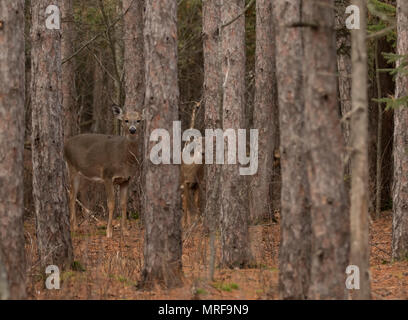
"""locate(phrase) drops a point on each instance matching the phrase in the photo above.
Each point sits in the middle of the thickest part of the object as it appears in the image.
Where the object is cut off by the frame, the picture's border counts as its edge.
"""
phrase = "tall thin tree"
(133, 67)
(162, 247)
(49, 185)
(360, 249)
(344, 63)
(68, 69)
(235, 250)
(325, 145)
(265, 113)
(343, 39)
(12, 91)
(400, 186)
(295, 246)
(213, 115)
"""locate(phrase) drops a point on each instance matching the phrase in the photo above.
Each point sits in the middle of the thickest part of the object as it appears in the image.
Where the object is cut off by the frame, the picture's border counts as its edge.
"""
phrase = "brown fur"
(105, 159)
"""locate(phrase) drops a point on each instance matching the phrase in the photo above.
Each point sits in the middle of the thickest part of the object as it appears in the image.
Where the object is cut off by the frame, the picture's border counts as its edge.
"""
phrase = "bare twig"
(249, 5)
(87, 43)
(88, 212)
(101, 65)
(381, 250)
(191, 229)
(382, 32)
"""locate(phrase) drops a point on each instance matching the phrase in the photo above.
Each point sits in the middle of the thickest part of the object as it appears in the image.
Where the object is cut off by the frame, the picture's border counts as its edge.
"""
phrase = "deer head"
(131, 120)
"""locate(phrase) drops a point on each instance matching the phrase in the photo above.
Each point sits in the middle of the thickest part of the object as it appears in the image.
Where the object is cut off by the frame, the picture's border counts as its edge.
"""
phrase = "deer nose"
(132, 130)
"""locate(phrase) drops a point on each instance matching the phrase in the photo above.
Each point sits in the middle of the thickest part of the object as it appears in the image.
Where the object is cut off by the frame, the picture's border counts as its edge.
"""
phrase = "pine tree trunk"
(134, 54)
(118, 37)
(360, 249)
(325, 145)
(265, 114)
(400, 186)
(49, 185)
(162, 247)
(344, 71)
(68, 70)
(295, 246)
(212, 101)
(235, 250)
(12, 81)
(378, 186)
(134, 85)
(99, 104)
(212, 117)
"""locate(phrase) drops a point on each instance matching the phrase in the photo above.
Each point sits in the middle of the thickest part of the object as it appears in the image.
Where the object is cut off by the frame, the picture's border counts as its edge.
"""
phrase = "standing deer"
(105, 159)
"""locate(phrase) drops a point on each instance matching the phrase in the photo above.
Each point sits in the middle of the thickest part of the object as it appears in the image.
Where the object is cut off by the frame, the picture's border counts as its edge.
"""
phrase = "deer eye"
(137, 121)
(126, 121)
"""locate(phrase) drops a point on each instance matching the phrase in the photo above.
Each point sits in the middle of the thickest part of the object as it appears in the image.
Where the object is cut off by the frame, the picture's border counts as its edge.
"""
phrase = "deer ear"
(117, 111)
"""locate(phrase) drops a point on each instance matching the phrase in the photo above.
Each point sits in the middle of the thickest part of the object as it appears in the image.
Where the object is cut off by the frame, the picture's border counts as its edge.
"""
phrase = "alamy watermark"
(353, 20)
(53, 21)
(193, 152)
(353, 280)
(53, 280)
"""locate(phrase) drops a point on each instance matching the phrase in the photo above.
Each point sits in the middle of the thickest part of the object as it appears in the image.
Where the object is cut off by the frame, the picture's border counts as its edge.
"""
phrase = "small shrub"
(201, 291)
(228, 287)
(77, 266)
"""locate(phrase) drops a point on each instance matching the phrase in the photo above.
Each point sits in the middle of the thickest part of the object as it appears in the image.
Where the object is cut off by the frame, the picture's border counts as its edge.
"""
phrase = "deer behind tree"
(192, 178)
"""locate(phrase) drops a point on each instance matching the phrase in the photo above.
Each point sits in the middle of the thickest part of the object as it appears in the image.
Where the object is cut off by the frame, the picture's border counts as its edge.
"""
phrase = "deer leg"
(123, 206)
(110, 195)
(74, 186)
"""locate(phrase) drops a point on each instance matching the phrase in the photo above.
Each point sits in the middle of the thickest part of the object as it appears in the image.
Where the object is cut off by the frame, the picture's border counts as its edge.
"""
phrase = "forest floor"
(110, 268)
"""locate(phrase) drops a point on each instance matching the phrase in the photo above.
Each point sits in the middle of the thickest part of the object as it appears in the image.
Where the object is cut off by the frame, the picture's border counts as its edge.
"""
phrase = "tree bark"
(134, 54)
(360, 249)
(212, 116)
(134, 85)
(329, 214)
(295, 246)
(344, 63)
(99, 103)
(68, 70)
(235, 250)
(378, 184)
(343, 40)
(49, 187)
(116, 56)
(265, 114)
(162, 247)
(400, 186)
(12, 92)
